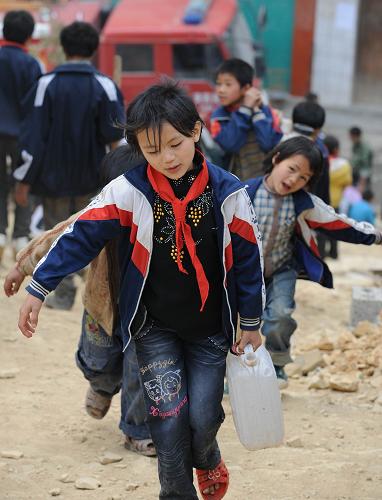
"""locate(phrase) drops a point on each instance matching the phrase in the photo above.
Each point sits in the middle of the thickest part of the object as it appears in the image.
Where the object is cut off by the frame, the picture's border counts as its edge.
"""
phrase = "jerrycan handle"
(249, 356)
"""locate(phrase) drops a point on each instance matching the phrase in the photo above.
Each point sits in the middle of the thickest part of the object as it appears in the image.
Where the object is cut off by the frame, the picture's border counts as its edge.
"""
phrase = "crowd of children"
(180, 250)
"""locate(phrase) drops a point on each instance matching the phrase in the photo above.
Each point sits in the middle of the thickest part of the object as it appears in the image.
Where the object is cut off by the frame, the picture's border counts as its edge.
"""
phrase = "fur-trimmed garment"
(96, 295)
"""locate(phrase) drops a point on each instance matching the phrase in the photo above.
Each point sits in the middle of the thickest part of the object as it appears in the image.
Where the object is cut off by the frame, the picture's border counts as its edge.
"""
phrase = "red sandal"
(207, 478)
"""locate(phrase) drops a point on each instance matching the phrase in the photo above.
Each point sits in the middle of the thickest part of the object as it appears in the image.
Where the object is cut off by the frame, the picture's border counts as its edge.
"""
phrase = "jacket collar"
(13, 45)
(75, 67)
(301, 199)
(223, 183)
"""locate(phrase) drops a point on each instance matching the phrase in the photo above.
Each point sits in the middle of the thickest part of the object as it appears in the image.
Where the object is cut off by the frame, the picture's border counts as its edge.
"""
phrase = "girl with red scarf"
(190, 267)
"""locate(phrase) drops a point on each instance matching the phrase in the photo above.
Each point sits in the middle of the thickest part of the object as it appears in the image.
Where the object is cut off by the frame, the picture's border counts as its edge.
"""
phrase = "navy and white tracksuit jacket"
(230, 128)
(75, 110)
(18, 72)
(125, 208)
(312, 214)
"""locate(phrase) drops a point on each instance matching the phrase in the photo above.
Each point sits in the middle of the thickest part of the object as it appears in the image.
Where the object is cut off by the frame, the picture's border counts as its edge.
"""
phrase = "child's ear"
(244, 88)
(275, 158)
(196, 133)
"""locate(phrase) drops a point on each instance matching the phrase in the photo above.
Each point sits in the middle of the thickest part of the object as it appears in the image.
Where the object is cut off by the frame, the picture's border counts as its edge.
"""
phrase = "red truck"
(184, 39)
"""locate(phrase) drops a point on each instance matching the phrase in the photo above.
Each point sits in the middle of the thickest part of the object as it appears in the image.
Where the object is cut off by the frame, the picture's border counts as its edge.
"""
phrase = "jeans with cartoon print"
(109, 370)
(278, 324)
(183, 390)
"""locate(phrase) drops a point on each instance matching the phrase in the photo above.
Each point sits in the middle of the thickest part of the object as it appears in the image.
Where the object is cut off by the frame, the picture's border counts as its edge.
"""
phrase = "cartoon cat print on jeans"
(166, 386)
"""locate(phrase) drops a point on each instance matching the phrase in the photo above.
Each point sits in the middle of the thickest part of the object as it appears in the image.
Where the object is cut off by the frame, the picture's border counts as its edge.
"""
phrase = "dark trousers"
(57, 210)
(327, 246)
(9, 149)
(183, 388)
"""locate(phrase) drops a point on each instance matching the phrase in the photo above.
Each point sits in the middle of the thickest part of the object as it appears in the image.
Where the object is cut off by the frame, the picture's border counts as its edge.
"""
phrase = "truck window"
(196, 60)
(136, 58)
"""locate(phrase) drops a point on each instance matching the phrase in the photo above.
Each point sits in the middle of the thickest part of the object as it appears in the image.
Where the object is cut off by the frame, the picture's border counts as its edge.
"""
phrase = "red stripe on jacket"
(109, 212)
(314, 247)
(228, 257)
(243, 229)
(215, 128)
(140, 257)
(332, 225)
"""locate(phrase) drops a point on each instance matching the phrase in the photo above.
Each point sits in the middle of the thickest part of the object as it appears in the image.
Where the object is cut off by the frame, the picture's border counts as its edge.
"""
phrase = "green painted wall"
(277, 37)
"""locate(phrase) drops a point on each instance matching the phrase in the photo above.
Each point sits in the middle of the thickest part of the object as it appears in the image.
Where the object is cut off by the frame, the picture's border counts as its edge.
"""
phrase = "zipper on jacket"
(148, 267)
(147, 273)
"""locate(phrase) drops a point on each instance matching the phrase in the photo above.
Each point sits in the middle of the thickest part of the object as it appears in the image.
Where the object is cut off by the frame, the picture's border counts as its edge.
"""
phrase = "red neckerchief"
(6, 43)
(183, 234)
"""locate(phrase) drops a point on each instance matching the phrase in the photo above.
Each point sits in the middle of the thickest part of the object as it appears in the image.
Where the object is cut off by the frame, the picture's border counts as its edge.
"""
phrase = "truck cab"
(183, 39)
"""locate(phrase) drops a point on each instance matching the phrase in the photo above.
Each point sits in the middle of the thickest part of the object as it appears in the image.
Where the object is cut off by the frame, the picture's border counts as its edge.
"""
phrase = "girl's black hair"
(117, 162)
(163, 102)
(299, 145)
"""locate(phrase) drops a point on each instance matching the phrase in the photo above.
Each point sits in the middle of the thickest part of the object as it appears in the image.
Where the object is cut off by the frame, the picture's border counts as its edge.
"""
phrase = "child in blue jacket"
(288, 216)
(189, 265)
(72, 123)
(18, 72)
(243, 126)
(363, 210)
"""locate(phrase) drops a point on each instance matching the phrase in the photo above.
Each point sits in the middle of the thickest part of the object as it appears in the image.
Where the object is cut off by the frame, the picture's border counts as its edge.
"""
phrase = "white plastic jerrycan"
(255, 398)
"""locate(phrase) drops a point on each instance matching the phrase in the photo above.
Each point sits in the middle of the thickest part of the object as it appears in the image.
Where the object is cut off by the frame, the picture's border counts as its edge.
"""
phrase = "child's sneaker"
(97, 405)
(282, 377)
(144, 447)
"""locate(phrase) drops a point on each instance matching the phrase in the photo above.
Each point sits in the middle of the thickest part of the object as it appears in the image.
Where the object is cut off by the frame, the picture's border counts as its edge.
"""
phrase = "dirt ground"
(338, 453)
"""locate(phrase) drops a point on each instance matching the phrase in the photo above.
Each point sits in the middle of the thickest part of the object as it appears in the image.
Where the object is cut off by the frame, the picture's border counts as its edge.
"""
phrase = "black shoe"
(282, 377)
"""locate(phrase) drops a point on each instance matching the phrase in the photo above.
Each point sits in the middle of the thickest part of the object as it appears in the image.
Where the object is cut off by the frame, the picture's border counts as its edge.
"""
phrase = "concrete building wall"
(334, 51)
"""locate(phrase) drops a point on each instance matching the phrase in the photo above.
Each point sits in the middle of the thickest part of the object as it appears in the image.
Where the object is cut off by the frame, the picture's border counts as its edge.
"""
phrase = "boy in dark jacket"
(73, 121)
(243, 126)
(18, 72)
(308, 119)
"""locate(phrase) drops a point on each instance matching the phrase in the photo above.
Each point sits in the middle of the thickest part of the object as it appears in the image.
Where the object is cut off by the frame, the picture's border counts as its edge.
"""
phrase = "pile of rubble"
(343, 363)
